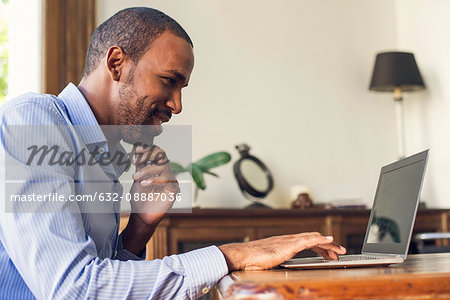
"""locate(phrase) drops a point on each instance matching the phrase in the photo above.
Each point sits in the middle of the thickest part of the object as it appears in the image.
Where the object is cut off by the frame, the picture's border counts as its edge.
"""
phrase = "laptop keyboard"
(352, 258)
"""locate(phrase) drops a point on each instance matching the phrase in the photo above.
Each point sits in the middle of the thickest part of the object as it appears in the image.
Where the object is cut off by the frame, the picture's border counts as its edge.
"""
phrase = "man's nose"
(174, 103)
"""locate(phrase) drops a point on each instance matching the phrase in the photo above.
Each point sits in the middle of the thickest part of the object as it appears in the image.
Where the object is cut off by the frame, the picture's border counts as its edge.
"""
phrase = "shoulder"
(34, 119)
(34, 109)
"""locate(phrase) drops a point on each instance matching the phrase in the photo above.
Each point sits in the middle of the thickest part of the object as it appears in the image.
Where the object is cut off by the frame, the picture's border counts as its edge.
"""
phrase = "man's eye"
(171, 81)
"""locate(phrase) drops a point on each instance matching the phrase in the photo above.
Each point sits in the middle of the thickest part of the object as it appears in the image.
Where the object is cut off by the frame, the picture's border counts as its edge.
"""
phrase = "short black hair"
(133, 30)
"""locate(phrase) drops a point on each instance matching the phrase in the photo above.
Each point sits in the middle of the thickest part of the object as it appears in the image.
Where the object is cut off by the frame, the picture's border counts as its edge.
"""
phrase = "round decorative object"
(252, 175)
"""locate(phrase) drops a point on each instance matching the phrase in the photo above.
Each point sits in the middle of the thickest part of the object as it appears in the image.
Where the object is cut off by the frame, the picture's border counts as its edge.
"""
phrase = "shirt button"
(205, 290)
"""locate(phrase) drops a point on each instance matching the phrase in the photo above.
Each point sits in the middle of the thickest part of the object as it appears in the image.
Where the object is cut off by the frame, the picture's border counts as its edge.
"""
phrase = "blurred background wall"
(290, 78)
(424, 27)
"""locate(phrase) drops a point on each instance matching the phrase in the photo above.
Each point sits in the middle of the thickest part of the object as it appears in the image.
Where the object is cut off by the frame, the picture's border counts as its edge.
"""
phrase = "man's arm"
(136, 234)
(52, 252)
(154, 179)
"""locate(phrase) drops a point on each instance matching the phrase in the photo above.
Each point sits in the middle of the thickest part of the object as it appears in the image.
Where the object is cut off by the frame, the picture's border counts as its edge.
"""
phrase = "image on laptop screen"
(395, 205)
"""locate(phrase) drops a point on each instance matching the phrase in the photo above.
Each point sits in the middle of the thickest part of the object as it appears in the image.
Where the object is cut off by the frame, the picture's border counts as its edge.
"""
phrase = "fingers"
(330, 251)
(332, 254)
(153, 154)
(157, 172)
(333, 247)
(161, 181)
(322, 252)
(322, 245)
(148, 172)
(312, 239)
(153, 177)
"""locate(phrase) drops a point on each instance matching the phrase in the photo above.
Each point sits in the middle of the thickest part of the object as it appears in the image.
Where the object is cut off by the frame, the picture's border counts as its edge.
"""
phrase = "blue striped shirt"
(70, 253)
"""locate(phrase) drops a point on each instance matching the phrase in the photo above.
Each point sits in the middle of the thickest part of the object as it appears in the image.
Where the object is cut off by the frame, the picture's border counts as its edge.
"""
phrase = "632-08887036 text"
(102, 197)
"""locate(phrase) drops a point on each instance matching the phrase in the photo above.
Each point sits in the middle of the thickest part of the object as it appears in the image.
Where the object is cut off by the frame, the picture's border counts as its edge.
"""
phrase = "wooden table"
(425, 276)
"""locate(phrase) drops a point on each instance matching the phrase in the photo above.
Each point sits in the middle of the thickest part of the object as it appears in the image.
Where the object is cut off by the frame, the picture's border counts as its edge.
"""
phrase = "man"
(138, 62)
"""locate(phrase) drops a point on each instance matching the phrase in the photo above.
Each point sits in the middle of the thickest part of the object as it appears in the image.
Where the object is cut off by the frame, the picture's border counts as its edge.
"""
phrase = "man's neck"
(98, 97)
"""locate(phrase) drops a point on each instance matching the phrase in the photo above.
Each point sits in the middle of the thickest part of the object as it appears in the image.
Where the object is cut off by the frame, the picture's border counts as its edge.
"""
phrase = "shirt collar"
(81, 115)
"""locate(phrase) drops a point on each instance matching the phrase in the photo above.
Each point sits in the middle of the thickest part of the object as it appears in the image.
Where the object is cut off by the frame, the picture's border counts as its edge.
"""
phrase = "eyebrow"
(178, 75)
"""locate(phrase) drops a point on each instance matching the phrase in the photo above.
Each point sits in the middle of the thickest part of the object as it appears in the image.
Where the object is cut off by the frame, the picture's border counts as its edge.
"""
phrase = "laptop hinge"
(384, 254)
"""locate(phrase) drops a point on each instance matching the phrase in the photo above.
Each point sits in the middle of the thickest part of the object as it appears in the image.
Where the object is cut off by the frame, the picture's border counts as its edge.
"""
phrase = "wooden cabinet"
(180, 232)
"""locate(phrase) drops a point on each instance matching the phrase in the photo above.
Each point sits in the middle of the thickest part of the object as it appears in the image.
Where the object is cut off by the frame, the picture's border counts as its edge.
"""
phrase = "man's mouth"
(162, 116)
(158, 118)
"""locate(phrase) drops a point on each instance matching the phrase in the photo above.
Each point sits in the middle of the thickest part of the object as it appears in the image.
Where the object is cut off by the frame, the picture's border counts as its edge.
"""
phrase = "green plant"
(3, 57)
(201, 166)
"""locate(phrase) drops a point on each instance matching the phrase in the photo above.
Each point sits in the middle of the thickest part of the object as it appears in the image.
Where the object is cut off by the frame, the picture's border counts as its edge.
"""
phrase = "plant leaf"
(213, 160)
(177, 168)
(197, 176)
(211, 173)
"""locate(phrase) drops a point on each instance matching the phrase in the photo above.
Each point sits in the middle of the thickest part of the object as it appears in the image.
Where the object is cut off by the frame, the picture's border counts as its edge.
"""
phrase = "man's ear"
(115, 59)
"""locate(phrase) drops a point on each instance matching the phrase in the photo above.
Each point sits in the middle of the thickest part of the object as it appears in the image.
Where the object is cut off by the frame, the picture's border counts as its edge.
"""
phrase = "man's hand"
(270, 252)
(155, 189)
(154, 184)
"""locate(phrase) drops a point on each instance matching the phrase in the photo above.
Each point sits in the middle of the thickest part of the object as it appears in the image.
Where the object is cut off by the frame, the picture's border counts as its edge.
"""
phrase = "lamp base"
(400, 124)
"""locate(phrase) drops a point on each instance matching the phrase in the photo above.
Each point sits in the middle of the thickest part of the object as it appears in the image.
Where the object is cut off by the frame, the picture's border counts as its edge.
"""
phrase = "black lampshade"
(396, 69)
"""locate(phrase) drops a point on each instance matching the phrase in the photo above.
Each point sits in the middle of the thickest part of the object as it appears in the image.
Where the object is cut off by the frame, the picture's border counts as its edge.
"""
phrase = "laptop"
(391, 219)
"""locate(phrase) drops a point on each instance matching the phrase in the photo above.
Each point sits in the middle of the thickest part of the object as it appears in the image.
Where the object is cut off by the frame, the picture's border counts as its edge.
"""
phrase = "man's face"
(151, 92)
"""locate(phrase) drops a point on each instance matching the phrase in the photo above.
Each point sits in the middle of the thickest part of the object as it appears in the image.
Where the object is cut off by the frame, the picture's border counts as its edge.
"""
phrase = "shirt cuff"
(124, 255)
(203, 268)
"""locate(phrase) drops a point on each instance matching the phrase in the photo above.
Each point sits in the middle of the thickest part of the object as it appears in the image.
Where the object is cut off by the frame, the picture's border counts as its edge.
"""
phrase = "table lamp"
(396, 72)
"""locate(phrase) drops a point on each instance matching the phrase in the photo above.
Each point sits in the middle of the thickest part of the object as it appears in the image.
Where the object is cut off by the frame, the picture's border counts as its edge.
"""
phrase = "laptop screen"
(394, 208)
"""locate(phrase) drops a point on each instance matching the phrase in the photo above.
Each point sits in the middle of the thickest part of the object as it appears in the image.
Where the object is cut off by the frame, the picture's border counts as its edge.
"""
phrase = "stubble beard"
(132, 128)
